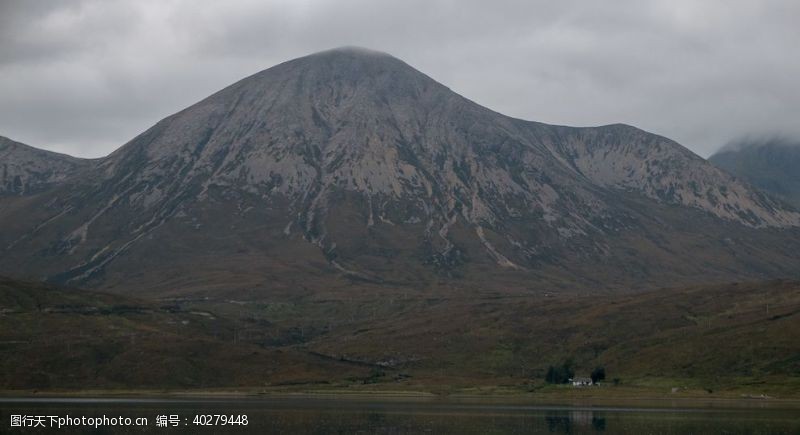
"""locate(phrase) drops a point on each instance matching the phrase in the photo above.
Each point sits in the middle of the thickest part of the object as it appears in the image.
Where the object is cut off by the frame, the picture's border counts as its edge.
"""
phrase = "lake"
(309, 415)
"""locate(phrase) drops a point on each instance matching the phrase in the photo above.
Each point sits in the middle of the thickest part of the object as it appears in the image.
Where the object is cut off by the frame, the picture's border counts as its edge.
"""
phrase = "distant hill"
(769, 164)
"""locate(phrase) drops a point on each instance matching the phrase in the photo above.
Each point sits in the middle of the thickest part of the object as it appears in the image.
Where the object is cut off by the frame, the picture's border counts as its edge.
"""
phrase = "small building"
(581, 382)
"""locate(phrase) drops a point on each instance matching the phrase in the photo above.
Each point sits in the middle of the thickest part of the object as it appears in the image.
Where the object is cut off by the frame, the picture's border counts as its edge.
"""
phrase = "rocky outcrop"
(628, 158)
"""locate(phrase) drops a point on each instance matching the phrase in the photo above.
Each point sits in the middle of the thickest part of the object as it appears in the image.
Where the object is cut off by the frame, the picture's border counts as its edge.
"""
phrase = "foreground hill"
(55, 338)
(705, 335)
(350, 165)
(772, 165)
(738, 338)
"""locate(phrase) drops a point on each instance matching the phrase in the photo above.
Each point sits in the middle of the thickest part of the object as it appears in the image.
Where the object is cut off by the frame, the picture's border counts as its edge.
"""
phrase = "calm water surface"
(348, 416)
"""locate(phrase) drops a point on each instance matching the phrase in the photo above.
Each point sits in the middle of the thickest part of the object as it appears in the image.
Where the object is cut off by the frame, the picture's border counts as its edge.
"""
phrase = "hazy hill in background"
(769, 164)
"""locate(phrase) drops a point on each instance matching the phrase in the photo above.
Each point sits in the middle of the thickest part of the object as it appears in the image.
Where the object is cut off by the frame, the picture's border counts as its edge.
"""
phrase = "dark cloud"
(757, 141)
(83, 77)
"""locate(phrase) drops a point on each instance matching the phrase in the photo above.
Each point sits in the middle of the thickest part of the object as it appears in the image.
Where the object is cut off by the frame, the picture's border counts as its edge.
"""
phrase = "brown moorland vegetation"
(731, 339)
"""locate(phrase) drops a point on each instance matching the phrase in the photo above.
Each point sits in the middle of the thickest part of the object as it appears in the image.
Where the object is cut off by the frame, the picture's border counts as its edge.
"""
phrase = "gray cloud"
(83, 77)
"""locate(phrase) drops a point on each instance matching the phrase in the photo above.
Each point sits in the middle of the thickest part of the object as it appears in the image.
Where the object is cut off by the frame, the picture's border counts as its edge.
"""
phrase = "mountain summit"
(349, 163)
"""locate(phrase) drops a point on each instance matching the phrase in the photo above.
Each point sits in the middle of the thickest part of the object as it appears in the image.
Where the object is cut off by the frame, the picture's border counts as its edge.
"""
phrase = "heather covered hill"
(55, 338)
(713, 341)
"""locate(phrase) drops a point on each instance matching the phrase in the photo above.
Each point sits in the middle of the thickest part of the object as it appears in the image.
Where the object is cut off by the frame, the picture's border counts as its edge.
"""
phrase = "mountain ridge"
(26, 169)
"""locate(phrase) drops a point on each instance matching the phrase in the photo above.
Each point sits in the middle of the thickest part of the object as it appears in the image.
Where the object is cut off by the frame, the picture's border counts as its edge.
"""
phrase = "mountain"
(772, 165)
(27, 170)
(349, 166)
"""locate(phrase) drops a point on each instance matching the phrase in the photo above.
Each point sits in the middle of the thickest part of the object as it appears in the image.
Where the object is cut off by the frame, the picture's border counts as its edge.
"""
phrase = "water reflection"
(314, 416)
(567, 421)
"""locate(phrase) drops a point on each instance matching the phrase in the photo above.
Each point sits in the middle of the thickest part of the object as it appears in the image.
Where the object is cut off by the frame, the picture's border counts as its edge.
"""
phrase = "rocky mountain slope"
(351, 165)
(769, 164)
(25, 170)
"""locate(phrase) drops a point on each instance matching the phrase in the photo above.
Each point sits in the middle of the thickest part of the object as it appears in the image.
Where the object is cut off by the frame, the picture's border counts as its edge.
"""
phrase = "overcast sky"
(83, 77)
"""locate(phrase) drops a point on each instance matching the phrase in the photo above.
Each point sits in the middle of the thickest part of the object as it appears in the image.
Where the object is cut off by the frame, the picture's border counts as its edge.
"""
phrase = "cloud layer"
(85, 76)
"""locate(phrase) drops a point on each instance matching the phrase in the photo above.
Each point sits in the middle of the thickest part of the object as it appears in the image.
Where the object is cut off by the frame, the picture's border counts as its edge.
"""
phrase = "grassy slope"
(54, 338)
(735, 339)
(732, 337)
(709, 337)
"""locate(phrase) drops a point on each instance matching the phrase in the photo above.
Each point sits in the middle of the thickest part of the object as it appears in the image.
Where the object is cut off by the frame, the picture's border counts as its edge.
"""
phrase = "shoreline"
(522, 400)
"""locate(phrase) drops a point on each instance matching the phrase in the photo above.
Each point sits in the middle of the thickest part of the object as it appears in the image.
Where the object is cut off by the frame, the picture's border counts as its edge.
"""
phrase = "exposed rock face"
(351, 160)
(26, 170)
(632, 159)
(772, 165)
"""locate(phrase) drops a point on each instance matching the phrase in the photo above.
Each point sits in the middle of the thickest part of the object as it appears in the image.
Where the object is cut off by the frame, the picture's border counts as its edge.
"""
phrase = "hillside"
(714, 335)
(349, 166)
(62, 338)
(732, 338)
(25, 170)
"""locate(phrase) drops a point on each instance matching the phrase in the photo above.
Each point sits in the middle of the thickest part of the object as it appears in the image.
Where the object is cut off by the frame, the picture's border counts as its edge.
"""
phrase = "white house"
(581, 382)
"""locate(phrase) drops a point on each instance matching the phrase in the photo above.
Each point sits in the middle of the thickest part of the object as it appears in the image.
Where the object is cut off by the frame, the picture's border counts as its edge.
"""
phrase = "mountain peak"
(317, 95)
(343, 67)
(361, 120)
(352, 51)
